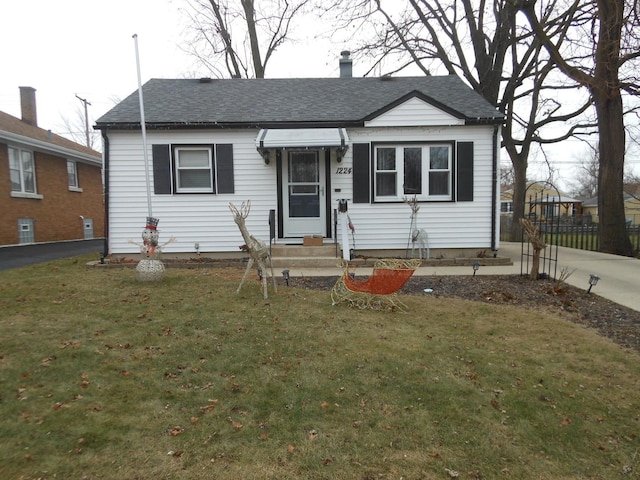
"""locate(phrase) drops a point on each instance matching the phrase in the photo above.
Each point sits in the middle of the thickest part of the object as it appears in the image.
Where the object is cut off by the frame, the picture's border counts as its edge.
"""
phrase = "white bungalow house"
(296, 148)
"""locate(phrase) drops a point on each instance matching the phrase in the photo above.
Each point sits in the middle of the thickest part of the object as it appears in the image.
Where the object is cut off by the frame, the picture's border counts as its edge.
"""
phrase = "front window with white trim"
(72, 175)
(194, 172)
(408, 170)
(22, 171)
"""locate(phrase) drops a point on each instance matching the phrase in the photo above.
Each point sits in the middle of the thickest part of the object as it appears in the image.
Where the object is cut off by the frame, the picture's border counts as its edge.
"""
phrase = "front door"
(304, 185)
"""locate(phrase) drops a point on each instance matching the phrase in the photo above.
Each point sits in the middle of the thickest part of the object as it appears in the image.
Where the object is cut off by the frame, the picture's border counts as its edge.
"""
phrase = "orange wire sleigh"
(378, 291)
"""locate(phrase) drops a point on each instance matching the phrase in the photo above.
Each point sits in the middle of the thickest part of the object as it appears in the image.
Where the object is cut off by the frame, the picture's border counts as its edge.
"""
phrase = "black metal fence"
(576, 233)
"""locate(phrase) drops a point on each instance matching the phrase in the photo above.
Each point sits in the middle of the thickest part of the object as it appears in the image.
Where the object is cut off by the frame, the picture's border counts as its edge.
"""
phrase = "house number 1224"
(343, 171)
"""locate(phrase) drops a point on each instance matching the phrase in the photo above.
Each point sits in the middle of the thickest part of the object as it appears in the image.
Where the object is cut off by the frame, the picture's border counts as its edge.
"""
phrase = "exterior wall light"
(593, 281)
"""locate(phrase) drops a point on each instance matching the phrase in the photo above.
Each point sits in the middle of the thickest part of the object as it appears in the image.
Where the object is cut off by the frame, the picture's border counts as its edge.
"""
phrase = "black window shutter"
(465, 172)
(224, 165)
(361, 177)
(161, 169)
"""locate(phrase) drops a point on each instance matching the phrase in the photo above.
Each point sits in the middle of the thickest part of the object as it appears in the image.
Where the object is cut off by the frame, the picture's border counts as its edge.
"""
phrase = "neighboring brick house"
(51, 187)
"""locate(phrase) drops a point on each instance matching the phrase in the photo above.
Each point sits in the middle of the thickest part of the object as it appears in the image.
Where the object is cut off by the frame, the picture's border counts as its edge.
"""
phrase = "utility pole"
(86, 118)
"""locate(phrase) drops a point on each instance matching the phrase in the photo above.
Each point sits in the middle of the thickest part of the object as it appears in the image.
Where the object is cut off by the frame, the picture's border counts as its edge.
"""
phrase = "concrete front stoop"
(298, 256)
(328, 256)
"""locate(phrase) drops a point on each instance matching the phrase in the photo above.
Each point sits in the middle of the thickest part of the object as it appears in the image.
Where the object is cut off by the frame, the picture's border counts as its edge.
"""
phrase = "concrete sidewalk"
(619, 276)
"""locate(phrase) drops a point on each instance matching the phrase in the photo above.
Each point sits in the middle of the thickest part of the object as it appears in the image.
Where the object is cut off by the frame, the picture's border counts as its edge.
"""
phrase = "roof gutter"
(494, 191)
(49, 147)
(219, 125)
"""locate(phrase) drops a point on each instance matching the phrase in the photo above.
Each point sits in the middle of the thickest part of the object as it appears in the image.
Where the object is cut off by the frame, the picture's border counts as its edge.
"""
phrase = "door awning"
(302, 138)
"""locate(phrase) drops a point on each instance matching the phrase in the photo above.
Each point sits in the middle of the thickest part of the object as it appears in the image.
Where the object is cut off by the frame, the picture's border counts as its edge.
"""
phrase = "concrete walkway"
(619, 276)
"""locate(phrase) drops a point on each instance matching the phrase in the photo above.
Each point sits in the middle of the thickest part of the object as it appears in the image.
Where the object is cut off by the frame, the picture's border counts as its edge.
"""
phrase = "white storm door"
(304, 183)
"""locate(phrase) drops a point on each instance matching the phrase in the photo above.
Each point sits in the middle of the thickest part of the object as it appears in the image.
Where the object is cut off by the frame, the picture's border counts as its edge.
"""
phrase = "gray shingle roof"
(284, 101)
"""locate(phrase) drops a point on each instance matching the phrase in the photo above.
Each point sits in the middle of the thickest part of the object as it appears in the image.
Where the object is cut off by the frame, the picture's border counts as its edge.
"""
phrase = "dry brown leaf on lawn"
(324, 404)
(565, 422)
(212, 405)
(291, 448)
(234, 424)
(177, 430)
(452, 473)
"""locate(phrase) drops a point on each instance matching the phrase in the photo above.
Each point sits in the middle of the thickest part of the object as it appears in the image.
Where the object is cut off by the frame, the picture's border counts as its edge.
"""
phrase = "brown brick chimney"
(28, 104)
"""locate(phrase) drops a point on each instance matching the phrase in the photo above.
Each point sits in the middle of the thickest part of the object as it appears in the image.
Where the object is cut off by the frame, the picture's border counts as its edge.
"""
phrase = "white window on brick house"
(72, 175)
(22, 171)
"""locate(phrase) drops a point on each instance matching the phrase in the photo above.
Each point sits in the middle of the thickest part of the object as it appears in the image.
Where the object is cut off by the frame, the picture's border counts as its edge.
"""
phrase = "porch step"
(298, 256)
(278, 250)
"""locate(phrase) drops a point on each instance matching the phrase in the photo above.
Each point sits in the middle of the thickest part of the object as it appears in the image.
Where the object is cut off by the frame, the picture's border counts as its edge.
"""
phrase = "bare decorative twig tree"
(538, 244)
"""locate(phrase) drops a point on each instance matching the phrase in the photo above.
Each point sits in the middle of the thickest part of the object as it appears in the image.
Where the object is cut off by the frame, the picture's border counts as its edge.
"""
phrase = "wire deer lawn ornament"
(258, 249)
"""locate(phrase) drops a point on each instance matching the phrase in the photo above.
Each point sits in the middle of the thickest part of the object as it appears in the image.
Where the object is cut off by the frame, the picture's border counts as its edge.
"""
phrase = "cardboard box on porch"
(312, 241)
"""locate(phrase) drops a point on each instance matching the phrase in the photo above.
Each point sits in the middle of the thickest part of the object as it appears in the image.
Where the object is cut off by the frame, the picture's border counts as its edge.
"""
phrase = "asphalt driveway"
(22, 255)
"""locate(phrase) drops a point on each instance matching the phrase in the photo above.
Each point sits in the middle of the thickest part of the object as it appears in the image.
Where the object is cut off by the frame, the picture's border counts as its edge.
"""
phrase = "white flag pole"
(144, 129)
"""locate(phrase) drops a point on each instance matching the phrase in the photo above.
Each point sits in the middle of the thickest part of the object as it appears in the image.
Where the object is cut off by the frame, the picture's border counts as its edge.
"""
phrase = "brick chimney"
(346, 64)
(28, 104)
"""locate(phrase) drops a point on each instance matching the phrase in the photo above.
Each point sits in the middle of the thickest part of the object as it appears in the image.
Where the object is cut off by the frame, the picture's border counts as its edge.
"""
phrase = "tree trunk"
(613, 234)
(519, 188)
(606, 94)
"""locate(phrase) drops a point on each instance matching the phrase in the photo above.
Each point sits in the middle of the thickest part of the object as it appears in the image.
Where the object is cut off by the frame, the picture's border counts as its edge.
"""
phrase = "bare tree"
(507, 176)
(585, 183)
(501, 60)
(237, 38)
(75, 127)
(612, 30)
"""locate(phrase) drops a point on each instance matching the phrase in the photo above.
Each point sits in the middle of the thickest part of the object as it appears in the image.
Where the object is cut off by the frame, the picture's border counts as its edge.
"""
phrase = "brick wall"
(57, 216)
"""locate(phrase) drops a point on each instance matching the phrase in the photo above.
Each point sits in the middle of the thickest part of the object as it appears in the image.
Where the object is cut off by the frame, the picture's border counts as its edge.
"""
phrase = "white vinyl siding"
(449, 224)
(198, 217)
(414, 112)
(206, 219)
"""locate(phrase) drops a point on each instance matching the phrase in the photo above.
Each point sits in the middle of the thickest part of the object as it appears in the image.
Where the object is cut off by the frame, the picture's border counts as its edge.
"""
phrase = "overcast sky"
(64, 48)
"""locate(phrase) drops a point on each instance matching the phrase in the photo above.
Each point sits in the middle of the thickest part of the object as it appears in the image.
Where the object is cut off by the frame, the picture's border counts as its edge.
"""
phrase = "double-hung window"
(194, 170)
(423, 170)
(22, 171)
(72, 176)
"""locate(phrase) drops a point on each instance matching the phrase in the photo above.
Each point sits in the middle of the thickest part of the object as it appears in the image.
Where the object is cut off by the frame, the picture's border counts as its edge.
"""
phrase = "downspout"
(105, 146)
(494, 190)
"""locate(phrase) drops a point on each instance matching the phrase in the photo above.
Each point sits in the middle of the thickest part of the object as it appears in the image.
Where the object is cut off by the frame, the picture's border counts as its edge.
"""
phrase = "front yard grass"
(105, 377)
